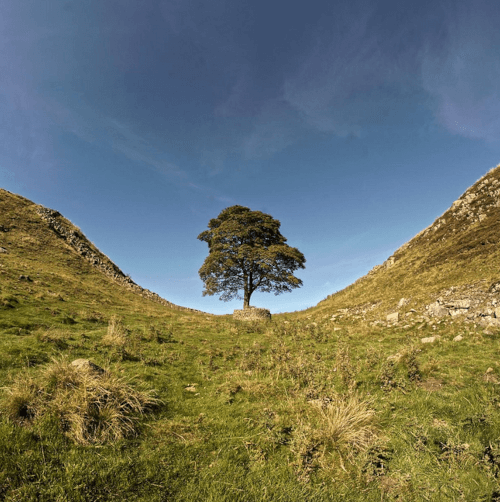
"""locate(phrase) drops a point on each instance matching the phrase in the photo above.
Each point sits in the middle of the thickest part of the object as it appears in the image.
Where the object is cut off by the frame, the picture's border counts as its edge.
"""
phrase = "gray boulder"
(458, 304)
(437, 310)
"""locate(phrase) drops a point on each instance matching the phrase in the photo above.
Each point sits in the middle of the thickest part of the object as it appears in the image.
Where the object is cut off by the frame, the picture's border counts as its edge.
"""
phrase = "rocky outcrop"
(436, 310)
(476, 303)
(474, 206)
(65, 230)
(252, 314)
(478, 207)
(82, 246)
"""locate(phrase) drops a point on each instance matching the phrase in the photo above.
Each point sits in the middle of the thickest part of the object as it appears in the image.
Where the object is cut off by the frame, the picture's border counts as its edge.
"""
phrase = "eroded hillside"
(456, 259)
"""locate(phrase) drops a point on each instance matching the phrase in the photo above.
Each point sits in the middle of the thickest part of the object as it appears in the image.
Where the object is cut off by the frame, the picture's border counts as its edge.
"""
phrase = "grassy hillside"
(198, 407)
(458, 250)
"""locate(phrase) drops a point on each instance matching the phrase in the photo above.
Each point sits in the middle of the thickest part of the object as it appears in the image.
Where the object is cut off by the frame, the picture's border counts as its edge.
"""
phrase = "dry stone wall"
(252, 314)
(99, 260)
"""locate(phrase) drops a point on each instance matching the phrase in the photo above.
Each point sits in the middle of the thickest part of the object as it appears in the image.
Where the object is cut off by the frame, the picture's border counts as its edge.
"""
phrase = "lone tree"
(247, 252)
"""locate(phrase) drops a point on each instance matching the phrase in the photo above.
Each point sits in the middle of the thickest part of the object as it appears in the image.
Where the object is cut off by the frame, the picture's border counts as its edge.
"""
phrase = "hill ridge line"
(462, 207)
(79, 242)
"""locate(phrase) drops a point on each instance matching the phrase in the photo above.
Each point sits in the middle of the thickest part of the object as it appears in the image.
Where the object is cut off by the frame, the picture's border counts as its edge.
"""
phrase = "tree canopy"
(247, 252)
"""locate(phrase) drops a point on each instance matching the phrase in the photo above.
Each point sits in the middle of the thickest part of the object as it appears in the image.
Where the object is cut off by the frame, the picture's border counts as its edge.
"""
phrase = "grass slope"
(460, 248)
(197, 407)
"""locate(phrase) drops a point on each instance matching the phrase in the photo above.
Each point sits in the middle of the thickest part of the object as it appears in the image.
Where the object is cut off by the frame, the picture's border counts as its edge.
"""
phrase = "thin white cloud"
(336, 68)
(462, 74)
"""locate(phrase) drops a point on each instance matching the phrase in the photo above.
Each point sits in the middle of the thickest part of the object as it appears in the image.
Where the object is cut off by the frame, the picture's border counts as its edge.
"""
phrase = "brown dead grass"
(91, 407)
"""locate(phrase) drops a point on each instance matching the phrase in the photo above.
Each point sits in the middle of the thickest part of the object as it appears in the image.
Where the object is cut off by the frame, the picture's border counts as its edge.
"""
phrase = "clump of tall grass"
(91, 406)
(332, 433)
(117, 338)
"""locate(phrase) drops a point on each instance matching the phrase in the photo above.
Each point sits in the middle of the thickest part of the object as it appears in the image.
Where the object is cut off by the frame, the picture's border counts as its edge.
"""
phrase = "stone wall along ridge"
(99, 260)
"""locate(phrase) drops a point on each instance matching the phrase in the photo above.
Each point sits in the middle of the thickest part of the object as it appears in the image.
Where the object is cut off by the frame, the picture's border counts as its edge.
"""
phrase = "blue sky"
(354, 123)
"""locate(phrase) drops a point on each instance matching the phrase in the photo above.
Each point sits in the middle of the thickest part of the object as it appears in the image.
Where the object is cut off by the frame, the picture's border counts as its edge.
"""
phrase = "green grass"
(272, 411)
(200, 407)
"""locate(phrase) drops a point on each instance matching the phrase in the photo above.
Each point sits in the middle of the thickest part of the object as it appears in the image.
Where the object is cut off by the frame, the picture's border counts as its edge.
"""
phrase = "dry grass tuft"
(117, 333)
(117, 337)
(91, 407)
(334, 430)
(348, 423)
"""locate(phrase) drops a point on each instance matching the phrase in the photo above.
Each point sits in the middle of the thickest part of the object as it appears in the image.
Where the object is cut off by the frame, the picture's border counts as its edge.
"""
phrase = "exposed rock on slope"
(81, 245)
(72, 236)
(448, 269)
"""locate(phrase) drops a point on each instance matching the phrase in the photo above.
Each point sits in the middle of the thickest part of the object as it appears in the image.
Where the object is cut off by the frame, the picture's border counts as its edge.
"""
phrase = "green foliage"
(247, 252)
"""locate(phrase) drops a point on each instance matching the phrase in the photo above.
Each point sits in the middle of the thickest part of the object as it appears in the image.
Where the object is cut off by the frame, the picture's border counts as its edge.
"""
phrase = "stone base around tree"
(252, 314)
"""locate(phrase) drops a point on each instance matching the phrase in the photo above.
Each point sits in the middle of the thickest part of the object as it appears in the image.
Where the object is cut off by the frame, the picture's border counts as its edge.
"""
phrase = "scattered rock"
(86, 365)
(458, 338)
(389, 262)
(490, 377)
(459, 304)
(3, 250)
(430, 339)
(456, 312)
(488, 321)
(402, 302)
(191, 388)
(437, 310)
(495, 287)
(396, 358)
(393, 317)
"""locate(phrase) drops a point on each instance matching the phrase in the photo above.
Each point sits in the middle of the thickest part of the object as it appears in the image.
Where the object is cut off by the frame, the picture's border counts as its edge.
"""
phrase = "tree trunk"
(248, 291)
(246, 299)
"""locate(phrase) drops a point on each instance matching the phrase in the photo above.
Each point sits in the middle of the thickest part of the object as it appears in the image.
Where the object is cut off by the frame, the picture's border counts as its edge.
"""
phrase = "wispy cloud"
(137, 149)
(341, 63)
(270, 135)
(463, 72)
